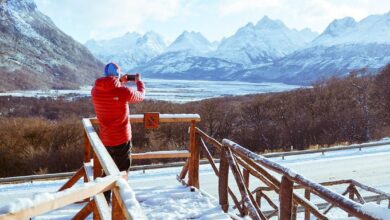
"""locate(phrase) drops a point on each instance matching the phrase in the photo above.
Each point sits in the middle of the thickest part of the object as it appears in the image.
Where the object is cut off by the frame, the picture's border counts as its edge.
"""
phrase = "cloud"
(104, 19)
(240, 6)
(107, 18)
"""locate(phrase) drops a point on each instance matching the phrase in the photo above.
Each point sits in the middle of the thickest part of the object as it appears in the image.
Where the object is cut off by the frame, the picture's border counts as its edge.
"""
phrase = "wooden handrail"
(164, 118)
(346, 204)
(61, 199)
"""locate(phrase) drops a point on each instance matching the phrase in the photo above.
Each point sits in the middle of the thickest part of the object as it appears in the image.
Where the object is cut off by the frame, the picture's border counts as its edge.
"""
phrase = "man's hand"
(137, 77)
(123, 79)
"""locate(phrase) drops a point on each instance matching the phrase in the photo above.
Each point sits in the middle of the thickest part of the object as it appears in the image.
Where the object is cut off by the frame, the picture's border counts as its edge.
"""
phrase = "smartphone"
(131, 77)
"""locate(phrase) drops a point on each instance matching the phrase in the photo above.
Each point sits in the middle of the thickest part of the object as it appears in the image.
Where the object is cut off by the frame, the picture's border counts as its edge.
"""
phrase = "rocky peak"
(267, 23)
(340, 25)
(19, 5)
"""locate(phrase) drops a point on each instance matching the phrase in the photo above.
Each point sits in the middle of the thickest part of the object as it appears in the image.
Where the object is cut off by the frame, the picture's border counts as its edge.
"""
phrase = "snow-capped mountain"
(187, 57)
(130, 50)
(372, 29)
(344, 46)
(36, 54)
(193, 43)
(250, 46)
(262, 43)
(315, 63)
(183, 65)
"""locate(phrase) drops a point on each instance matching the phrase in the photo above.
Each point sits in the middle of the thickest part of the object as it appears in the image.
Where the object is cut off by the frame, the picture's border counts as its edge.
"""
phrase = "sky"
(215, 19)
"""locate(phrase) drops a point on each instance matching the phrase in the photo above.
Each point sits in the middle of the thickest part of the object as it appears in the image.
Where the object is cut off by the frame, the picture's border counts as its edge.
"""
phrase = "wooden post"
(351, 195)
(86, 211)
(87, 148)
(193, 171)
(80, 173)
(245, 174)
(307, 212)
(294, 211)
(116, 208)
(258, 198)
(97, 167)
(223, 180)
(286, 201)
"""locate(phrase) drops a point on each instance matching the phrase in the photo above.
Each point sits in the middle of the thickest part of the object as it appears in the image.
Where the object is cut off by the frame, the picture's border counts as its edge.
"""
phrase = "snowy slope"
(130, 50)
(183, 65)
(262, 43)
(194, 43)
(372, 29)
(33, 48)
(311, 64)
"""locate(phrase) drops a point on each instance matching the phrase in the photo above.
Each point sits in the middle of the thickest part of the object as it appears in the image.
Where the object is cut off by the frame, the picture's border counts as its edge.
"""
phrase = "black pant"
(121, 156)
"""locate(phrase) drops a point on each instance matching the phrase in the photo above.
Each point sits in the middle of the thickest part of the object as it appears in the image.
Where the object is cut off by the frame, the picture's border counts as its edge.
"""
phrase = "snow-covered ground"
(159, 192)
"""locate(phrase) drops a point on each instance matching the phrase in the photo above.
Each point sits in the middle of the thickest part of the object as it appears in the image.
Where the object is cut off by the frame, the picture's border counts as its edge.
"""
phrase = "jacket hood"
(107, 83)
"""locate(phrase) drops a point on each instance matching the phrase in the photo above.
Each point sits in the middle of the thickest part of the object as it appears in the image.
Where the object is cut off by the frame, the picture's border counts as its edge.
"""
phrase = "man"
(110, 98)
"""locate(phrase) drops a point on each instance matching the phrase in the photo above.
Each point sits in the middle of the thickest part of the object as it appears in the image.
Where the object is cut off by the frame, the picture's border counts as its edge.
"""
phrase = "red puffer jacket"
(110, 99)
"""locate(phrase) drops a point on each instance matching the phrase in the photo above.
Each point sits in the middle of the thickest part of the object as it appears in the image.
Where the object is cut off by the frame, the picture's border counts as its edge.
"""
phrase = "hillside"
(34, 53)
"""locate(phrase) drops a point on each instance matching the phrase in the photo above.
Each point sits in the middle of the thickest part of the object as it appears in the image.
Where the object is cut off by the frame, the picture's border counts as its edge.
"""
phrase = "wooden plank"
(120, 204)
(100, 150)
(209, 139)
(330, 205)
(285, 197)
(97, 168)
(84, 212)
(164, 118)
(259, 194)
(87, 148)
(370, 189)
(117, 209)
(270, 202)
(80, 173)
(62, 200)
(253, 212)
(193, 169)
(307, 211)
(161, 155)
(347, 205)
(257, 171)
(212, 163)
(223, 181)
(359, 197)
(245, 174)
(184, 171)
(103, 210)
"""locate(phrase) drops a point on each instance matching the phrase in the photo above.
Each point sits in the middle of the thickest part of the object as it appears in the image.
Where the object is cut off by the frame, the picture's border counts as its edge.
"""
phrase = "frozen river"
(176, 90)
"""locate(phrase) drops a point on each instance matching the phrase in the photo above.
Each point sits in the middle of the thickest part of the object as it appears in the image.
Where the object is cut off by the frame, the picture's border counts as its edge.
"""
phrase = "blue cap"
(112, 69)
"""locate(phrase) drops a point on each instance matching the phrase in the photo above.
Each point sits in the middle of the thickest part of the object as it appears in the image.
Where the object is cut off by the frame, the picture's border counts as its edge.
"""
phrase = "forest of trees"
(44, 135)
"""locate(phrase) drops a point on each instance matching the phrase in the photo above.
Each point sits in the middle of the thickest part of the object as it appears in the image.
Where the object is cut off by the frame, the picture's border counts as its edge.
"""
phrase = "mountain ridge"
(35, 54)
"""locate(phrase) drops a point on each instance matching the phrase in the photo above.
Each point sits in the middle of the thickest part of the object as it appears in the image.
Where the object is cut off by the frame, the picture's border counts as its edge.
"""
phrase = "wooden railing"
(96, 162)
(234, 157)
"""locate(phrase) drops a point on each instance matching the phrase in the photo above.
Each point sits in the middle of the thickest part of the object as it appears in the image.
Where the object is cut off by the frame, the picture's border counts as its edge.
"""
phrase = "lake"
(175, 90)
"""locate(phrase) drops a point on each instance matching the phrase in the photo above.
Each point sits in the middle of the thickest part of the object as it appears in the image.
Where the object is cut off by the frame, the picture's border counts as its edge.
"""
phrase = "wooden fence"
(98, 162)
(234, 157)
